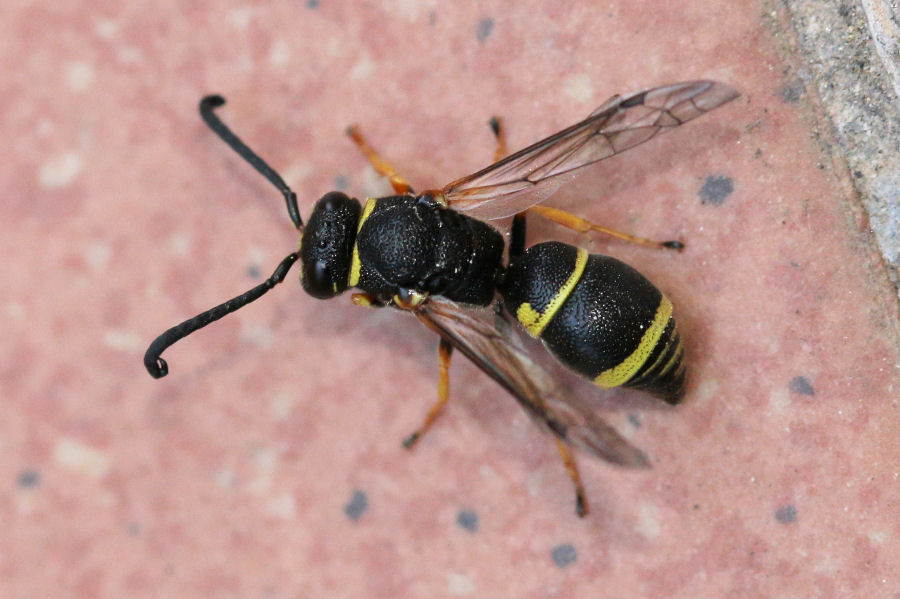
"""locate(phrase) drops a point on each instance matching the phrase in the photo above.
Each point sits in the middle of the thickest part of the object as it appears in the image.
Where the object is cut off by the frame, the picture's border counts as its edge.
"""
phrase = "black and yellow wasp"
(429, 254)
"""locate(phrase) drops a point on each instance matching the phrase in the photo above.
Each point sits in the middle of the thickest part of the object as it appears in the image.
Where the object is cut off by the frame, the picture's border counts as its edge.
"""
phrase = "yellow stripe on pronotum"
(355, 264)
(622, 372)
(534, 321)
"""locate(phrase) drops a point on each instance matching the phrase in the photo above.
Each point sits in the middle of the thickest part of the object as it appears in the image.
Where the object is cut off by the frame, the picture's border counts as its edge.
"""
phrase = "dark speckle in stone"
(468, 520)
(715, 189)
(357, 506)
(485, 28)
(29, 479)
(802, 386)
(564, 554)
(792, 91)
(786, 514)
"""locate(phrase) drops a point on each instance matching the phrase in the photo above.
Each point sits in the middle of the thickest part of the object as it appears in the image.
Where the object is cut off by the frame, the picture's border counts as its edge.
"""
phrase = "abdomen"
(598, 316)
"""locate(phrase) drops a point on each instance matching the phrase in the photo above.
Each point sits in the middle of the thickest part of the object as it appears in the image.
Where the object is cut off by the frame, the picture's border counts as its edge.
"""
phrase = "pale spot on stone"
(240, 17)
(486, 473)
(179, 244)
(60, 170)
(773, 346)
(535, 481)
(259, 335)
(108, 500)
(296, 173)
(79, 75)
(106, 28)
(256, 255)
(779, 399)
(648, 521)
(130, 55)
(15, 310)
(374, 185)
(225, 478)
(24, 508)
(826, 564)
(122, 340)
(363, 68)
(282, 506)
(459, 585)
(74, 455)
(97, 255)
(45, 128)
(408, 9)
(266, 460)
(707, 391)
(279, 53)
(282, 404)
(579, 87)
(879, 537)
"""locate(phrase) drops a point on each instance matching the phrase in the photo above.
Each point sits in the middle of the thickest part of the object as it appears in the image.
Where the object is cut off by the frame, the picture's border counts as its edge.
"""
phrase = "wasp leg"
(381, 166)
(365, 300)
(581, 225)
(581, 506)
(500, 134)
(444, 352)
(517, 237)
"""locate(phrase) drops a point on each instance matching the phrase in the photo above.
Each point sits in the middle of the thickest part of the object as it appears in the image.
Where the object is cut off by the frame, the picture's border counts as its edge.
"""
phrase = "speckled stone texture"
(268, 463)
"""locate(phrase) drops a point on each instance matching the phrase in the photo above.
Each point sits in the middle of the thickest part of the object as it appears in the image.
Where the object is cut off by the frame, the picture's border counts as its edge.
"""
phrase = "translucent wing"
(535, 390)
(530, 176)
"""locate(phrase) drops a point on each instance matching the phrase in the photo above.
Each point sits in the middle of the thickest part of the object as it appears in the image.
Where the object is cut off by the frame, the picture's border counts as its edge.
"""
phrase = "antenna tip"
(156, 366)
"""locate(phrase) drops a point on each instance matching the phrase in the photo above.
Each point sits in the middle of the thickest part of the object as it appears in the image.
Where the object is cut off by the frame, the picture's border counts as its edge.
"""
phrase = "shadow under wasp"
(431, 255)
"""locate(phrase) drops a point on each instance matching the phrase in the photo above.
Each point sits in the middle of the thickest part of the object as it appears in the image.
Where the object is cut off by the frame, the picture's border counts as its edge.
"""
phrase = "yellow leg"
(444, 352)
(363, 299)
(581, 506)
(581, 225)
(381, 166)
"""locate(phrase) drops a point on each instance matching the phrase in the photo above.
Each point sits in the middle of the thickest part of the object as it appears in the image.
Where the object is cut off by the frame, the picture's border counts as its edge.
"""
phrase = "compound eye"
(317, 280)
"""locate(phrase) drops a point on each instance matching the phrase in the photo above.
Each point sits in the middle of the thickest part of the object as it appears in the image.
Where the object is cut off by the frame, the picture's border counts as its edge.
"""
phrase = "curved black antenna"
(207, 106)
(158, 368)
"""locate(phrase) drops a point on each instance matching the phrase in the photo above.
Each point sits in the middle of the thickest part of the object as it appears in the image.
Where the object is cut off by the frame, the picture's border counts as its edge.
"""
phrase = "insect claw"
(411, 440)
(581, 507)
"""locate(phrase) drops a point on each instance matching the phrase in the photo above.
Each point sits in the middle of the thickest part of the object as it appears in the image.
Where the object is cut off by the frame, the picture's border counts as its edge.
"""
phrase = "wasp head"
(326, 247)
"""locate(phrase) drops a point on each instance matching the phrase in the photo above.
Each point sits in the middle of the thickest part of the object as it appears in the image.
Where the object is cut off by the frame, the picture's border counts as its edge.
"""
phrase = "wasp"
(434, 255)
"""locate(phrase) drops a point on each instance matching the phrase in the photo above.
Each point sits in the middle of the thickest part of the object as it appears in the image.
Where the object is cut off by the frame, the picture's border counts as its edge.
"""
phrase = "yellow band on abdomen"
(622, 372)
(534, 321)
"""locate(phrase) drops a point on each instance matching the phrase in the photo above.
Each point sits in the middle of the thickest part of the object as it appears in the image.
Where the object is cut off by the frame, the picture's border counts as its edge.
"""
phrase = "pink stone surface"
(122, 214)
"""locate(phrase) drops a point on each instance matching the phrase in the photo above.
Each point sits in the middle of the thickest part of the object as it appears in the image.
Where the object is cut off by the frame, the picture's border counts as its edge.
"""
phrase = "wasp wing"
(530, 384)
(530, 176)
